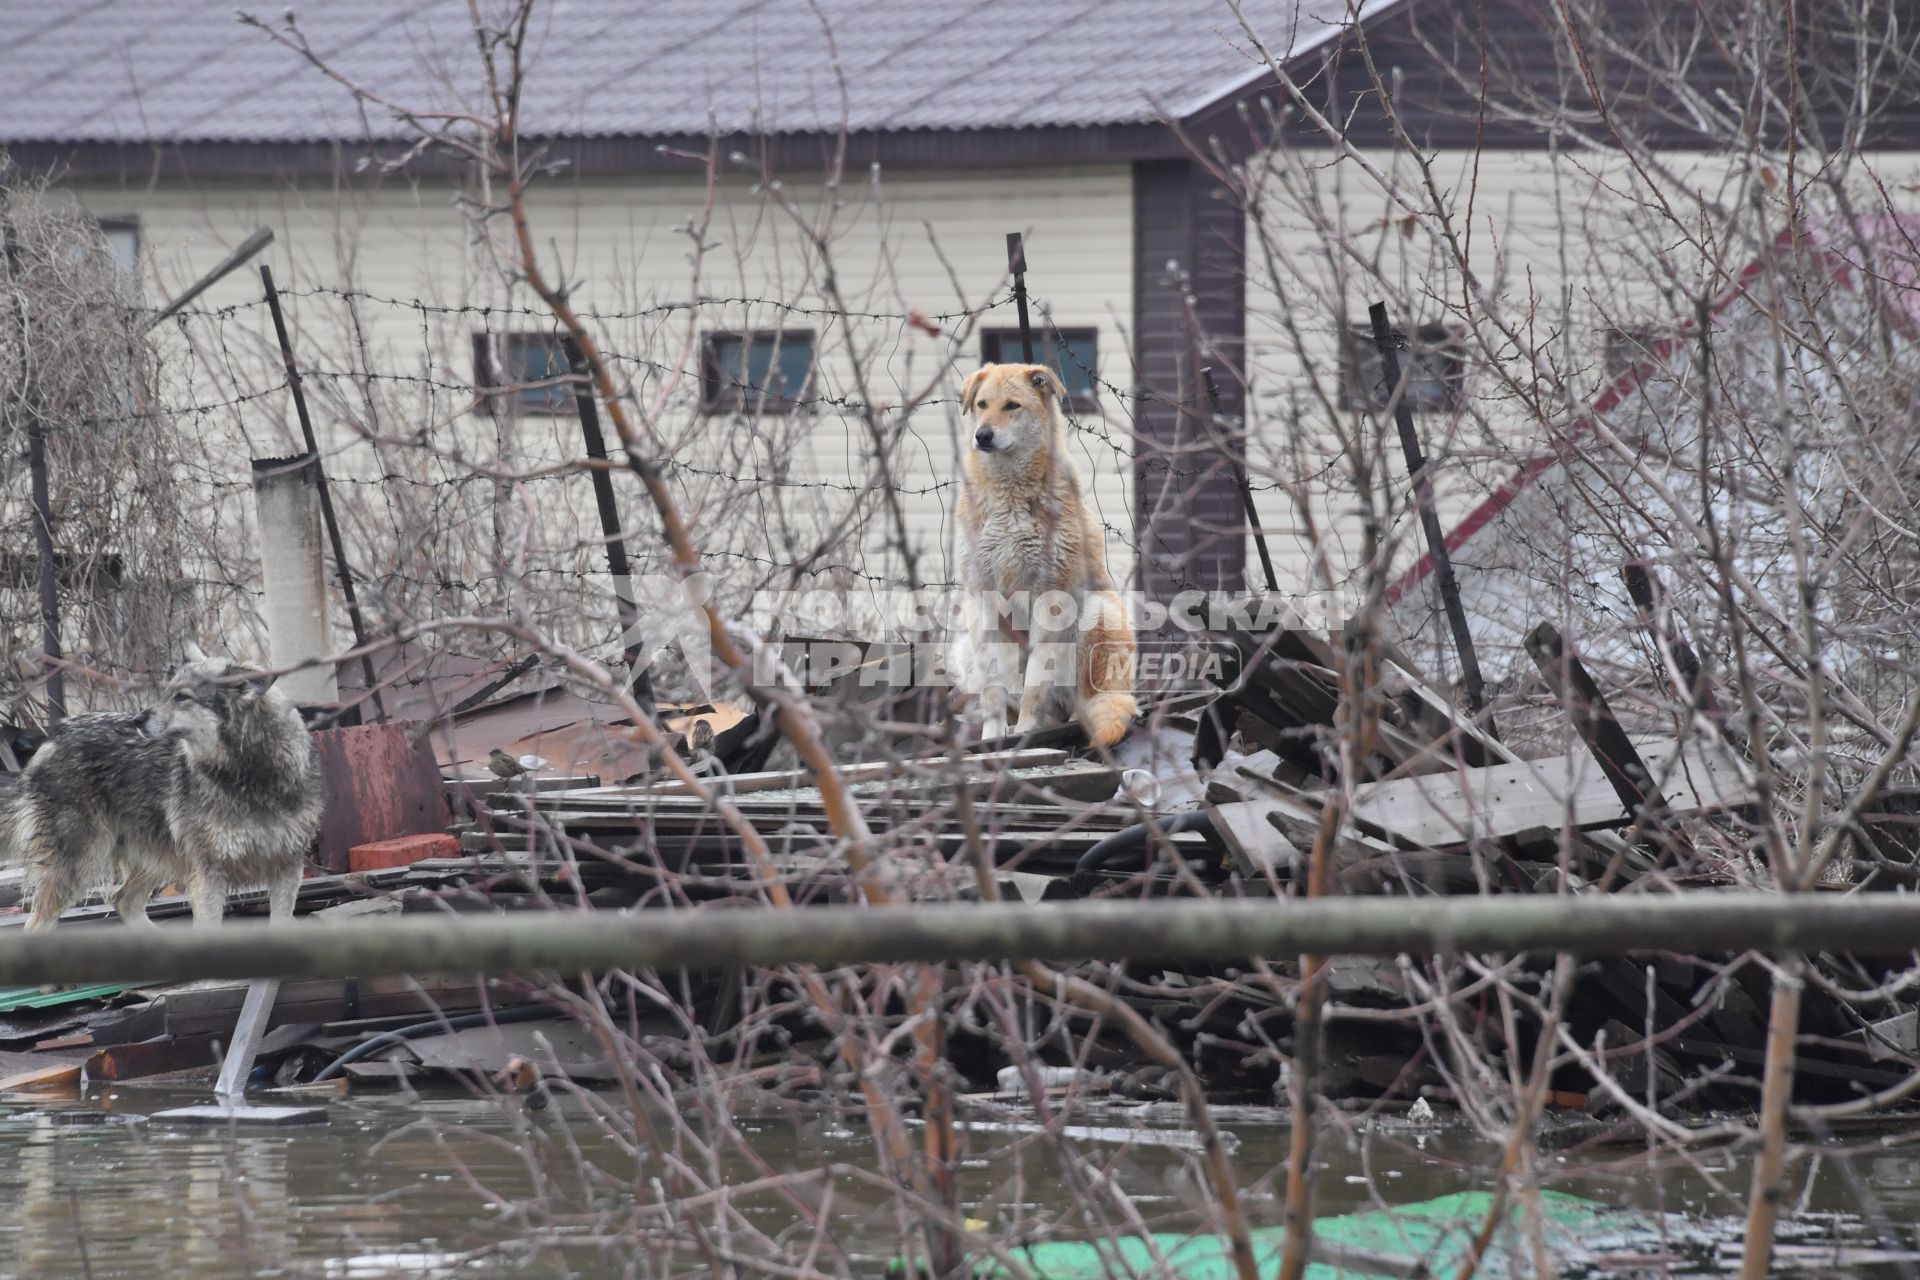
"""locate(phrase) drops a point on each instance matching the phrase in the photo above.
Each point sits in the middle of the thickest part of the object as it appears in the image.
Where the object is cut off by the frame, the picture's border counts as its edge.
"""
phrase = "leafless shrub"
(124, 475)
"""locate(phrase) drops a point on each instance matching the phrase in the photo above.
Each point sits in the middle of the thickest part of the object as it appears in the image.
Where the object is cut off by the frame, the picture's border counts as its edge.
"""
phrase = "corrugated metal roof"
(176, 71)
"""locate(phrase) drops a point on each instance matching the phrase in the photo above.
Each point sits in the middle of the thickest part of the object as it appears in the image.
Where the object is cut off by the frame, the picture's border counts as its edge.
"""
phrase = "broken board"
(1556, 792)
(249, 1115)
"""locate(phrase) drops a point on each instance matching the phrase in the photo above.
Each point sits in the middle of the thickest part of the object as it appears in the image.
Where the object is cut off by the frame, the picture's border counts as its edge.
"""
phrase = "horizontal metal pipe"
(1864, 924)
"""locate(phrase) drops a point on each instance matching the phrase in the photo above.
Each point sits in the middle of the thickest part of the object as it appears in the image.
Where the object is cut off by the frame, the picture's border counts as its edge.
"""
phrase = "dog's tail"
(1108, 716)
(1107, 706)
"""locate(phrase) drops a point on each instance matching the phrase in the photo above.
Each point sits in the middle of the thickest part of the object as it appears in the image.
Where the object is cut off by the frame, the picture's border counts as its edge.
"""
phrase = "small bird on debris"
(699, 751)
(522, 1079)
(505, 766)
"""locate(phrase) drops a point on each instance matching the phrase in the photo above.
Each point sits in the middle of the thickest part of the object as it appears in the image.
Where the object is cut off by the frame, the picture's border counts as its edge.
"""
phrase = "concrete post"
(287, 500)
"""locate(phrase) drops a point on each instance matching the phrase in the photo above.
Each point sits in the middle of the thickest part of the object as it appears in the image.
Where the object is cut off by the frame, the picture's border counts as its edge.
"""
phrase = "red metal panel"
(379, 785)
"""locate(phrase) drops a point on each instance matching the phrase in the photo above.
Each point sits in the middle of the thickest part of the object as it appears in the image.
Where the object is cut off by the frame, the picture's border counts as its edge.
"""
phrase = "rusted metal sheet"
(379, 784)
(153, 1058)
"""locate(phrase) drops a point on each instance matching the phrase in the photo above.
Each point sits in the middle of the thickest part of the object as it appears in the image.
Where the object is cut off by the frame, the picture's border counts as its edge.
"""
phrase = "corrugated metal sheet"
(119, 71)
(12, 998)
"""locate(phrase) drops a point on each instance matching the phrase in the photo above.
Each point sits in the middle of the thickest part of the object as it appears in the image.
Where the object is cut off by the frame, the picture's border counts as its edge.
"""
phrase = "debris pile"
(1228, 792)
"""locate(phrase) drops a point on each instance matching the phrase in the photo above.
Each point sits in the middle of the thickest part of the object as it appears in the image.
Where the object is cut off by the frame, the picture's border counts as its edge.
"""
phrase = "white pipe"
(287, 499)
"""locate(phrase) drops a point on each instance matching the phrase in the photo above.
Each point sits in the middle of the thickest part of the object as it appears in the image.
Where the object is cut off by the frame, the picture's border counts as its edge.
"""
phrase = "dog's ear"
(192, 652)
(1047, 382)
(974, 379)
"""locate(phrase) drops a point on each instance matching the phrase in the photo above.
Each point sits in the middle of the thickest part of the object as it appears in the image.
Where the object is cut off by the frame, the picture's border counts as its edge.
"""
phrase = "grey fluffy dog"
(215, 787)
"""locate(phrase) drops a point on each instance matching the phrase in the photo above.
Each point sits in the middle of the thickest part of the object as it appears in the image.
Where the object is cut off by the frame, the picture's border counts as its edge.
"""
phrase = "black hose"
(1134, 839)
(415, 1030)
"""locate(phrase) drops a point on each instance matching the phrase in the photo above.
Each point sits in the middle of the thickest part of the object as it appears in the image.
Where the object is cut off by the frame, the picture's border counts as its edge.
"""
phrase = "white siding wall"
(1567, 247)
(763, 492)
(1550, 246)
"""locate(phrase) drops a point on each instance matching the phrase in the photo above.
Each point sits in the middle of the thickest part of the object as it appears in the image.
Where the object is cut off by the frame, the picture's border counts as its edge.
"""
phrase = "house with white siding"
(790, 220)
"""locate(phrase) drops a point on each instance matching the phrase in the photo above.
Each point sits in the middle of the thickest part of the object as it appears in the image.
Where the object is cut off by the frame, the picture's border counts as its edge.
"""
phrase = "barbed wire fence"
(424, 445)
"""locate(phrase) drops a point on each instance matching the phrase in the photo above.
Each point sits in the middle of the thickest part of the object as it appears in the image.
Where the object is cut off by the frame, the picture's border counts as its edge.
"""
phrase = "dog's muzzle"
(983, 440)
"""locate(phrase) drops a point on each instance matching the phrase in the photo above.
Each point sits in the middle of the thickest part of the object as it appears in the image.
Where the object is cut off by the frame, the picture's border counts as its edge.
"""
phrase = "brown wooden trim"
(1190, 520)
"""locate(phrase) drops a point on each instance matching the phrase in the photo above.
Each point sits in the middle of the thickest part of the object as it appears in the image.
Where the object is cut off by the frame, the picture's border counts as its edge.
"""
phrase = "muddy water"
(456, 1186)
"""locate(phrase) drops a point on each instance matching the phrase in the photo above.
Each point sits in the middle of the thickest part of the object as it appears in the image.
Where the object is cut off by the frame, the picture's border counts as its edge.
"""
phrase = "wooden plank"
(58, 1076)
(1258, 847)
(1630, 776)
(1441, 707)
(225, 1113)
(1506, 799)
(151, 1058)
(785, 779)
(245, 1041)
(212, 1009)
(686, 813)
(1310, 649)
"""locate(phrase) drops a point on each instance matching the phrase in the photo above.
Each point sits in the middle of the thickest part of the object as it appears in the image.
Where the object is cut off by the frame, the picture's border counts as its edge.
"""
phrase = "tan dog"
(1029, 538)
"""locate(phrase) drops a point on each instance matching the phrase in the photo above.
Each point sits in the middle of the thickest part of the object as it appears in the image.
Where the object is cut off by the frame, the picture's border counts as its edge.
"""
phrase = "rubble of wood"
(1226, 793)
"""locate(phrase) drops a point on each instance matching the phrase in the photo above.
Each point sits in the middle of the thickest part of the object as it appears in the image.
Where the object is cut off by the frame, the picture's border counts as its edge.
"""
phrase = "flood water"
(457, 1185)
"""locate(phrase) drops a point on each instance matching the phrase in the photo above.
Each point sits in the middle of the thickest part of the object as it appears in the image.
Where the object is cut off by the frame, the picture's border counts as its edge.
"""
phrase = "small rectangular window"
(530, 368)
(1436, 354)
(1071, 353)
(123, 241)
(765, 371)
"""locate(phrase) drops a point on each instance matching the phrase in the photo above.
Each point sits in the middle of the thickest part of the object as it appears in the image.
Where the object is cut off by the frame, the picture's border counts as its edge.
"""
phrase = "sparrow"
(504, 765)
(699, 753)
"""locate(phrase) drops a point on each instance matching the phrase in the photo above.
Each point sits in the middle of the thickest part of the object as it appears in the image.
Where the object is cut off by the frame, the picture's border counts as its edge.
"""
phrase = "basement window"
(1436, 354)
(761, 371)
(1071, 353)
(530, 370)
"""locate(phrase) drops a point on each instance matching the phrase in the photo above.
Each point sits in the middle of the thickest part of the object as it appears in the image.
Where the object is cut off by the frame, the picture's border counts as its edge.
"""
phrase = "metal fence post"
(326, 498)
(1476, 689)
(1240, 478)
(1017, 263)
(617, 565)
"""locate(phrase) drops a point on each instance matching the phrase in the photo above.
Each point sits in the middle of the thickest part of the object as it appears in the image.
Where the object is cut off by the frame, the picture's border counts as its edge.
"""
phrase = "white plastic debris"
(1140, 786)
(1012, 1081)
